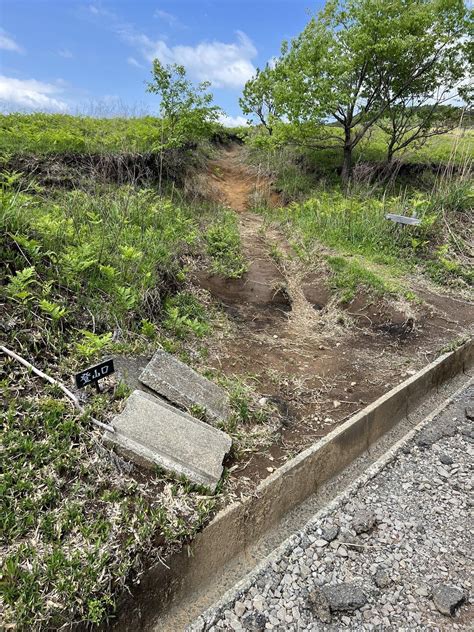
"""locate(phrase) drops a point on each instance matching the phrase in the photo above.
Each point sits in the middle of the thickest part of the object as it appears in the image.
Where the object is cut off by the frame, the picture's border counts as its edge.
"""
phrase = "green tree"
(412, 121)
(420, 105)
(259, 98)
(358, 58)
(187, 110)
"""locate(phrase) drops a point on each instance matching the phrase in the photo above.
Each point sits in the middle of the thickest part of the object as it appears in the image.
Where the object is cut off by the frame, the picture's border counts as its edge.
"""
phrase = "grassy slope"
(91, 272)
(56, 133)
(355, 227)
(74, 527)
(367, 249)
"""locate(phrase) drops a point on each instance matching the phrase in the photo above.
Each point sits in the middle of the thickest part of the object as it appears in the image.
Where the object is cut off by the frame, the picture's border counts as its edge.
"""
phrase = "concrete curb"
(236, 526)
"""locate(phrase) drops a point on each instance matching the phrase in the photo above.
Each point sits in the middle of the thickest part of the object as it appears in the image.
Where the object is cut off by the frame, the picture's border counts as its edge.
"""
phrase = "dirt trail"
(273, 285)
(293, 340)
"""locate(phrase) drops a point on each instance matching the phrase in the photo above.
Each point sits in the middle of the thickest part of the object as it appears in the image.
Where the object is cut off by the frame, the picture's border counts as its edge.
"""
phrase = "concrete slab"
(150, 432)
(181, 385)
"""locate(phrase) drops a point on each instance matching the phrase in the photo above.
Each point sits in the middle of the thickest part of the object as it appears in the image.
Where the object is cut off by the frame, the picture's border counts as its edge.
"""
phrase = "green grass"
(63, 133)
(348, 274)
(43, 134)
(73, 529)
(372, 250)
(89, 272)
(81, 264)
(455, 147)
(224, 247)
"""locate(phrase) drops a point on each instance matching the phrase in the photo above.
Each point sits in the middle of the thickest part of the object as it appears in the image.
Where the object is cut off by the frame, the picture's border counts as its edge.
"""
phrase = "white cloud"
(99, 11)
(31, 94)
(224, 65)
(65, 53)
(133, 62)
(171, 19)
(8, 43)
(232, 121)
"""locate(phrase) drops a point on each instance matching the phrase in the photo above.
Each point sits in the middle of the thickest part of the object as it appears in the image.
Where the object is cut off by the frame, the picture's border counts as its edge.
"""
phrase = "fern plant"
(19, 286)
(92, 344)
(53, 310)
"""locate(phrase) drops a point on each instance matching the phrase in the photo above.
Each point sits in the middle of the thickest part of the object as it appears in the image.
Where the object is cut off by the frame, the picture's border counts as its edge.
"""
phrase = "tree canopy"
(359, 62)
(187, 110)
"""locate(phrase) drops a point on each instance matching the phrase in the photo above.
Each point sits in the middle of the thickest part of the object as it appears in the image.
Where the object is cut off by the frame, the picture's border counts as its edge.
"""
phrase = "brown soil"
(317, 361)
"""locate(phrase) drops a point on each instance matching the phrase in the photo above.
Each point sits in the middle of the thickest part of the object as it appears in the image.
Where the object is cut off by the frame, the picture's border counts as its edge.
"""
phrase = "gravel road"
(394, 552)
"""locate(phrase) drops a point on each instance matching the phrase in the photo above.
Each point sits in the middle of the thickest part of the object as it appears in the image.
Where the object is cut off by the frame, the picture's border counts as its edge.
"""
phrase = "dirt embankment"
(68, 170)
(320, 362)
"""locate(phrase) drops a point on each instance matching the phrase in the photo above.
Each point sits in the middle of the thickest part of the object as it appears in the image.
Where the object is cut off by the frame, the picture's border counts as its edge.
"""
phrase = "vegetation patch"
(75, 526)
(380, 252)
(91, 272)
(349, 274)
(224, 247)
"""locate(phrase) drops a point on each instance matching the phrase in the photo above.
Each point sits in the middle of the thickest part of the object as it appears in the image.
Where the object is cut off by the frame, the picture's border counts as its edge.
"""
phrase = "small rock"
(446, 459)
(254, 622)
(258, 603)
(330, 532)
(382, 579)
(263, 401)
(344, 597)
(470, 412)
(447, 598)
(349, 541)
(319, 605)
(423, 591)
(239, 608)
(364, 521)
(281, 614)
(321, 543)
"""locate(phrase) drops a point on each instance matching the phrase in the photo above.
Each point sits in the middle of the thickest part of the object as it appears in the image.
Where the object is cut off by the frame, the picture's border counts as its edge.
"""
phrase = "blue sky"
(94, 56)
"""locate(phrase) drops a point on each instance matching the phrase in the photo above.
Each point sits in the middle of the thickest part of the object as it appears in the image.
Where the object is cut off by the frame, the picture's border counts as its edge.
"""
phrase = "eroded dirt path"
(317, 362)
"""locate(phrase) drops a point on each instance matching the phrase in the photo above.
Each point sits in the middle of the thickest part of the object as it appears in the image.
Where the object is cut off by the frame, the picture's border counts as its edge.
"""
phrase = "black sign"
(94, 373)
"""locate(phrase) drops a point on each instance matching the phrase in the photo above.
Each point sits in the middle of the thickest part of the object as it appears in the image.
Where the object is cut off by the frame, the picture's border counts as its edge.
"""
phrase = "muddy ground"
(317, 361)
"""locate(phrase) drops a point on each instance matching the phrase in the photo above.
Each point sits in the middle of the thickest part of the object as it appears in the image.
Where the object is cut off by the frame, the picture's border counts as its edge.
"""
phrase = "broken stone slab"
(178, 383)
(151, 432)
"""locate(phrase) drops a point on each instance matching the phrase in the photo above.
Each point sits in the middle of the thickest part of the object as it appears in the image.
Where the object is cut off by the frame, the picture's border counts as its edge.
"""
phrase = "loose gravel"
(395, 554)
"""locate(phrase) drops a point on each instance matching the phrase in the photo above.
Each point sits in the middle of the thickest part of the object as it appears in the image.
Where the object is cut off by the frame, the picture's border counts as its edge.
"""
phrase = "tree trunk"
(347, 165)
(390, 152)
